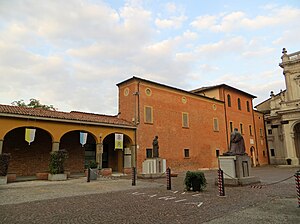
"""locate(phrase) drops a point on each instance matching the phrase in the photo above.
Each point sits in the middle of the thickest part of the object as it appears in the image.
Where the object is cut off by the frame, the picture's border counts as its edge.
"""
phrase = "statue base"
(237, 170)
(153, 168)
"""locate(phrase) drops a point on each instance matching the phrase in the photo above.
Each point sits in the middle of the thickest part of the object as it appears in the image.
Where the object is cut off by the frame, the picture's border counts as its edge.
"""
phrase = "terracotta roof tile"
(73, 115)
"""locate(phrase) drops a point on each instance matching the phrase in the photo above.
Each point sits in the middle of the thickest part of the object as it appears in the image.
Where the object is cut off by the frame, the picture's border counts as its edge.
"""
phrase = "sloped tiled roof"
(221, 85)
(71, 116)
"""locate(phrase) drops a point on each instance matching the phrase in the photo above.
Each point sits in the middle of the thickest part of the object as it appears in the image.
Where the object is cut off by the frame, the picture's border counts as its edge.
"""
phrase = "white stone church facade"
(282, 115)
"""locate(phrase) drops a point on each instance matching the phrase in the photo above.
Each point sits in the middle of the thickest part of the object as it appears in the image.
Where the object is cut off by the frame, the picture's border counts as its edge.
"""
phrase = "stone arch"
(27, 160)
(79, 155)
(118, 159)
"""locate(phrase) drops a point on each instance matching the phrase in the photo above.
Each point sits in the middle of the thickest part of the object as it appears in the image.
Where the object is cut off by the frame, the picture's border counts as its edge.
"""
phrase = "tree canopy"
(33, 103)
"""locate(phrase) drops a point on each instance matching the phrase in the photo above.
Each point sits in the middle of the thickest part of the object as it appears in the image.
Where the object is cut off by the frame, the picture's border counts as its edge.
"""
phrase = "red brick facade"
(202, 138)
(168, 105)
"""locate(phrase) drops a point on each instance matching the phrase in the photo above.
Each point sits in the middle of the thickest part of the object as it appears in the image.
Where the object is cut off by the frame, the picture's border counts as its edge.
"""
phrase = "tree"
(34, 103)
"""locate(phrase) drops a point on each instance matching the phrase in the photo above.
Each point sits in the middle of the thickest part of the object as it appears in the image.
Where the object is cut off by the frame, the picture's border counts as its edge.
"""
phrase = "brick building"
(193, 129)
(193, 126)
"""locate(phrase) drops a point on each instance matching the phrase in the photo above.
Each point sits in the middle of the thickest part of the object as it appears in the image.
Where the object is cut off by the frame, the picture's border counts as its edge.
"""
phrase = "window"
(260, 132)
(250, 130)
(264, 153)
(270, 131)
(217, 152)
(148, 115)
(248, 106)
(148, 153)
(272, 152)
(239, 104)
(216, 124)
(241, 128)
(185, 120)
(186, 153)
(228, 100)
(231, 126)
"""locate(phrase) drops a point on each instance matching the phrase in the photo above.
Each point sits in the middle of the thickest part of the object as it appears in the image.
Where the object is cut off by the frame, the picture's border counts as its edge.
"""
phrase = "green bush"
(195, 181)
(93, 164)
(4, 162)
(57, 159)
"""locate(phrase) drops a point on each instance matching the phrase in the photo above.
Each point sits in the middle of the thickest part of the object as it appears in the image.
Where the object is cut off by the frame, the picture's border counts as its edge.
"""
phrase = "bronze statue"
(237, 144)
(155, 147)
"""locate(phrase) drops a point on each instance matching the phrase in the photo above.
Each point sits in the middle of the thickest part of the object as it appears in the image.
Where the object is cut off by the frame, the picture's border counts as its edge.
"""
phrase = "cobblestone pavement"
(116, 201)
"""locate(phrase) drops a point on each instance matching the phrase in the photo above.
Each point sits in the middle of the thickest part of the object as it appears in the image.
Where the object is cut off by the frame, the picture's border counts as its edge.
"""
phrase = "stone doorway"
(297, 140)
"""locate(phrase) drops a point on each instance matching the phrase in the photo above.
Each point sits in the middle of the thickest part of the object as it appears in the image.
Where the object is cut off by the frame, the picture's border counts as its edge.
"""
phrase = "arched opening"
(297, 140)
(79, 155)
(116, 159)
(28, 159)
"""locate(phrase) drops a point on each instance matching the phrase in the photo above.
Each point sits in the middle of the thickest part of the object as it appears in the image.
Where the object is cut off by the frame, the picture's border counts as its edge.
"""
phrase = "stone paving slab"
(277, 211)
(20, 192)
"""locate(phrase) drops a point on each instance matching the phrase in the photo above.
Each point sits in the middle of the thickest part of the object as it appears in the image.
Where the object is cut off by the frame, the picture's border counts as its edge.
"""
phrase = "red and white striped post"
(297, 178)
(221, 182)
(168, 175)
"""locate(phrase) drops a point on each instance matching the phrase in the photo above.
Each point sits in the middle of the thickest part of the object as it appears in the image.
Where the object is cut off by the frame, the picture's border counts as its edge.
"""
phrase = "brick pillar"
(99, 152)
(55, 146)
(1, 145)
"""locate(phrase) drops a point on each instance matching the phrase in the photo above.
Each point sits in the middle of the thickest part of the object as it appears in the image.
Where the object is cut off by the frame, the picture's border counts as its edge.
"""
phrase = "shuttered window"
(216, 124)
(185, 120)
(148, 114)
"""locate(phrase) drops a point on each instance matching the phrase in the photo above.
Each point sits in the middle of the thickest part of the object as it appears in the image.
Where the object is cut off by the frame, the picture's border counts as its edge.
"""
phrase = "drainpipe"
(255, 135)
(226, 122)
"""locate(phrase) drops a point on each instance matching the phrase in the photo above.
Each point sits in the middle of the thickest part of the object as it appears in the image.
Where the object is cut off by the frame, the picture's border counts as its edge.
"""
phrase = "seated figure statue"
(237, 144)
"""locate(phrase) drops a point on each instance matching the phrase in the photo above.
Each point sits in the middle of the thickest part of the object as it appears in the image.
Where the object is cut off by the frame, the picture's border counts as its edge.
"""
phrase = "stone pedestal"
(153, 167)
(237, 170)
(57, 177)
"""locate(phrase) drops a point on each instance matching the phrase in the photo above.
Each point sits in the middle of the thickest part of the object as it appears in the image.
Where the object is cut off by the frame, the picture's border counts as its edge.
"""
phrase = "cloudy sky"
(73, 53)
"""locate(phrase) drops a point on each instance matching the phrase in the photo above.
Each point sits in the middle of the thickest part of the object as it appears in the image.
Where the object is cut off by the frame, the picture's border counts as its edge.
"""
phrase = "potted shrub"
(56, 165)
(195, 181)
(93, 165)
(4, 162)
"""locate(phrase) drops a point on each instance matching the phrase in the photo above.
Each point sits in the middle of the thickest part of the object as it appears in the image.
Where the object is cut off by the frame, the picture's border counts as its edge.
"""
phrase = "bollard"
(221, 182)
(133, 177)
(168, 175)
(297, 178)
(89, 175)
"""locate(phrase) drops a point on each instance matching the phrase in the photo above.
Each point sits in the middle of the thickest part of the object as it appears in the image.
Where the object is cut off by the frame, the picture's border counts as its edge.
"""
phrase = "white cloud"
(173, 22)
(227, 22)
(204, 22)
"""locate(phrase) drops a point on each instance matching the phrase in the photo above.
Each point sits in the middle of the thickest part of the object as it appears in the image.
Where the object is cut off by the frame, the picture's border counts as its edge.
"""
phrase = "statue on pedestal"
(237, 144)
(155, 147)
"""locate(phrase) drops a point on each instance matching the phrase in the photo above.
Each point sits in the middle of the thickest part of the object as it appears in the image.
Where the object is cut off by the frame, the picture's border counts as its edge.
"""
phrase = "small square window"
(217, 152)
(148, 153)
(272, 152)
(186, 153)
(270, 131)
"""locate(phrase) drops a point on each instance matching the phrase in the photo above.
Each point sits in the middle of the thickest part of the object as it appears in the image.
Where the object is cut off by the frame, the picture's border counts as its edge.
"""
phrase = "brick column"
(55, 146)
(99, 152)
(1, 145)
